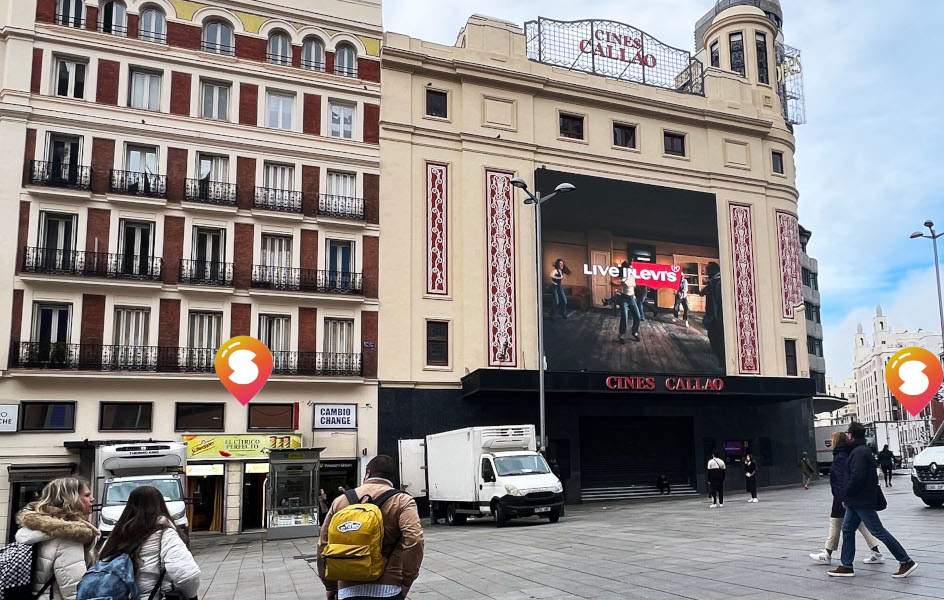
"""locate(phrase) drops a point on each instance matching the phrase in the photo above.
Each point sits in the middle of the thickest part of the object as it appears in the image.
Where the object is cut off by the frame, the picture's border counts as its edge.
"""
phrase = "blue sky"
(868, 159)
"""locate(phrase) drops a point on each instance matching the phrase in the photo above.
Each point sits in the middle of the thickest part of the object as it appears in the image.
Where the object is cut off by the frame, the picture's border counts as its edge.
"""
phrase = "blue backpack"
(111, 579)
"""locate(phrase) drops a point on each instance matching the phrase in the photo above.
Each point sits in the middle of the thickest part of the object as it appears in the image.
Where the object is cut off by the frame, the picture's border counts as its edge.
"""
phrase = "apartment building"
(180, 172)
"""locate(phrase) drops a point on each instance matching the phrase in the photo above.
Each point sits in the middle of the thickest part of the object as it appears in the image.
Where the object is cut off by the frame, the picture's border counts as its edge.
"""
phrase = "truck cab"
(518, 484)
(927, 472)
(122, 468)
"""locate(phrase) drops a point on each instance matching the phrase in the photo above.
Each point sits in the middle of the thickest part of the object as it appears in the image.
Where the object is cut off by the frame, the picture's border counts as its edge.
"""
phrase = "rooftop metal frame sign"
(613, 49)
(790, 84)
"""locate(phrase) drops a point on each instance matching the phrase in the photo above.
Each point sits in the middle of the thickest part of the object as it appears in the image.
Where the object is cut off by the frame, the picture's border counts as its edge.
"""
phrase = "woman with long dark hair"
(158, 549)
(558, 271)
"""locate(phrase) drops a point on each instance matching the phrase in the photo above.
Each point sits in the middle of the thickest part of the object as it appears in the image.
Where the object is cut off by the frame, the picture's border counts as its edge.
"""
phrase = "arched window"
(70, 12)
(218, 38)
(313, 55)
(345, 63)
(153, 26)
(113, 19)
(280, 49)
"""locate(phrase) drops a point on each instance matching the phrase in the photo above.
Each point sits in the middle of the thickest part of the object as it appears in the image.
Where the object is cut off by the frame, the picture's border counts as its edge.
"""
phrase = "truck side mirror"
(489, 478)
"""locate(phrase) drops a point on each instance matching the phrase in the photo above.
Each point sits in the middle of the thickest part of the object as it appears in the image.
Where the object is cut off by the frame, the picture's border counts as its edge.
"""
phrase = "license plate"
(543, 509)
(935, 487)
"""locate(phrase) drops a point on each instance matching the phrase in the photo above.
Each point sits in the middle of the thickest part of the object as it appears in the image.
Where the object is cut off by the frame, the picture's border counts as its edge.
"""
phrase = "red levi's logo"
(651, 275)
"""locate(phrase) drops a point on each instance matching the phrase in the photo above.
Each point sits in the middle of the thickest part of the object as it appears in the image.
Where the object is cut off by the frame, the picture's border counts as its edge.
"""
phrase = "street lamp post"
(537, 200)
(937, 273)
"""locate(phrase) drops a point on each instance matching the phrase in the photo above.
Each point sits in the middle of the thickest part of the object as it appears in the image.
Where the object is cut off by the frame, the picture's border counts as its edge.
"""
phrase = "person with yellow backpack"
(371, 543)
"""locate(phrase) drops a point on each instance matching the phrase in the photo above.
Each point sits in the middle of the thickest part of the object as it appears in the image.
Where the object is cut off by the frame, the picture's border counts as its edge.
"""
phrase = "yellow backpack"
(355, 536)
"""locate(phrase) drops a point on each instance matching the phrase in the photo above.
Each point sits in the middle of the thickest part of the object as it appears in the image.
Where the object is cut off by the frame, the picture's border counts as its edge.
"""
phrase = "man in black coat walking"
(861, 496)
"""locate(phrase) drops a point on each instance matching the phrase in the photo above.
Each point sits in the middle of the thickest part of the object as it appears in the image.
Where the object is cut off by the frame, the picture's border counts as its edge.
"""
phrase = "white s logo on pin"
(244, 370)
(915, 381)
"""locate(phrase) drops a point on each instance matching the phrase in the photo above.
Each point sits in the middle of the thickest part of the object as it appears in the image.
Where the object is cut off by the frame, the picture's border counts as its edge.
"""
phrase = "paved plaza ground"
(653, 550)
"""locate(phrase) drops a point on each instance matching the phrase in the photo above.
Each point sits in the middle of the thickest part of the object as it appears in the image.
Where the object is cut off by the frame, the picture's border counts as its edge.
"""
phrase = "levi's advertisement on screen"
(631, 278)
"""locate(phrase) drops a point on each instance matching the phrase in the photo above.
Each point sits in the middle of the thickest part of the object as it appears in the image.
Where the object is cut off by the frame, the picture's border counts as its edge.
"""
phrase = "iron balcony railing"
(71, 20)
(313, 65)
(211, 192)
(113, 29)
(77, 263)
(60, 174)
(168, 359)
(278, 200)
(343, 207)
(217, 48)
(345, 71)
(158, 37)
(205, 272)
(279, 59)
(306, 280)
(136, 183)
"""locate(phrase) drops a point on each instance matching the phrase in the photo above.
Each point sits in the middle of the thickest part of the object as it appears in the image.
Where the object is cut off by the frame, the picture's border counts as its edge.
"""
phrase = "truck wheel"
(501, 517)
(452, 518)
(554, 517)
(933, 503)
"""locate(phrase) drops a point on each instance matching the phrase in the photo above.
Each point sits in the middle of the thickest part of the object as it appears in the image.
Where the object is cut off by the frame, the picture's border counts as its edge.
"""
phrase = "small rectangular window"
(70, 79)
(342, 120)
(279, 109)
(571, 126)
(272, 416)
(47, 416)
(790, 351)
(715, 55)
(199, 416)
(777, 161)
(624, 136)
(145, 90)
(763, 71)
(437, 343)
(674, 144)
(214, 102)
(125, 416)
(436, 103)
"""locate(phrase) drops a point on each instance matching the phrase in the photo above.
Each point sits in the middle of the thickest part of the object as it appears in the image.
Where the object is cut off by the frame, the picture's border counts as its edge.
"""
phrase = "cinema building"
(669, 277)
(177, 173)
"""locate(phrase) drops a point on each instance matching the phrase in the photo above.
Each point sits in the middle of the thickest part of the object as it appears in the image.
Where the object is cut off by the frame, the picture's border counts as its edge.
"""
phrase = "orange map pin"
(243, 365)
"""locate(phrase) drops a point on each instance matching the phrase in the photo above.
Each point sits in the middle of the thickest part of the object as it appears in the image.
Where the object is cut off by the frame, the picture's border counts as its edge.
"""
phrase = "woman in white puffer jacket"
(57, 527)
(147, 532)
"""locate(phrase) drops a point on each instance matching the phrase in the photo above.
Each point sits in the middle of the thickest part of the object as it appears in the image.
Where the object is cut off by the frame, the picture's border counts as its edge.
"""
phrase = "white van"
(927, 472)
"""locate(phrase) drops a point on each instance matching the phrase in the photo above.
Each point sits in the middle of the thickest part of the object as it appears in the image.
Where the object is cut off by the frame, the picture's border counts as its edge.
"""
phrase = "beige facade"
(502, 116)
(178, 173)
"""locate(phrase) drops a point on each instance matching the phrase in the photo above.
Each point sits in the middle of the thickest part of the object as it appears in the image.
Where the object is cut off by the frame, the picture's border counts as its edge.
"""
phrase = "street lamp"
(937, 271)
(537, 200)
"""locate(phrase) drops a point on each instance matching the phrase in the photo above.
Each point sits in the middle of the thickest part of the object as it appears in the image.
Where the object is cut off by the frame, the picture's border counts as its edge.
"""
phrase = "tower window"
(736, 46)
(763, 73)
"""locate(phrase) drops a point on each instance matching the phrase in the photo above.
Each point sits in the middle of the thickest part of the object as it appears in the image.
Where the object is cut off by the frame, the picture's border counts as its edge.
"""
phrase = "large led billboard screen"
(631, 277)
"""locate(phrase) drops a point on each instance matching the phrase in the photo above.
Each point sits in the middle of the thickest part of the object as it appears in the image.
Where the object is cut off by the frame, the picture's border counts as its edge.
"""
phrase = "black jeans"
(717, 493)
(752, 486)
(887, 471)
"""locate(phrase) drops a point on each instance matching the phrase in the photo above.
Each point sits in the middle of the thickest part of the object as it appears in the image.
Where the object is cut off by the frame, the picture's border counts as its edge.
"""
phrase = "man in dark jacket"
(861, 499)
(886, 460)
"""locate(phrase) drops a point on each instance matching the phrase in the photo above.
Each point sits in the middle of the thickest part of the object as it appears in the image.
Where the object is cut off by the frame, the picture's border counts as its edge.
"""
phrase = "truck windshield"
(939, 438)
(118, 492)
(521, 465)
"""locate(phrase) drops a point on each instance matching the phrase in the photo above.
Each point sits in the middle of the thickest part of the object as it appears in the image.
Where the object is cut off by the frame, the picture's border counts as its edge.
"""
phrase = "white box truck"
(123, 467)
(824, 445)
(481, 471)
(927, 472)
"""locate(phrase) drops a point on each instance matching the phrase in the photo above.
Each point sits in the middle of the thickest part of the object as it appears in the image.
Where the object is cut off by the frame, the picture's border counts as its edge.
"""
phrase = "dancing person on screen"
(558, 271)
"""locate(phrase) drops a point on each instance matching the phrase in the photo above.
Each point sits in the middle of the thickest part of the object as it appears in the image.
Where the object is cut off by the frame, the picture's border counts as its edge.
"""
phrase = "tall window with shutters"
(275, 332)
(130, 337)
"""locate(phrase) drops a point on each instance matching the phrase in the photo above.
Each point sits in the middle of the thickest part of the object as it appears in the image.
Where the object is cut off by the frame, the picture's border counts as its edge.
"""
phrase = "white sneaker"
(822, 558)
(755, 500)
(721, 505)
(713, 506)
(749, 500)
(686, 322)
(876, 558)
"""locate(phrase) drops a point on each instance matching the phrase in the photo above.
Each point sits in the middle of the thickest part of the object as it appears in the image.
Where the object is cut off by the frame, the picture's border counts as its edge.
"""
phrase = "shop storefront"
(226, 477)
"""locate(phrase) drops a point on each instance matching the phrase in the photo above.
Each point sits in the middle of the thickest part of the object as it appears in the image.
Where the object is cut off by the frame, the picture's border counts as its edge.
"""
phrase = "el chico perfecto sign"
(648, 383)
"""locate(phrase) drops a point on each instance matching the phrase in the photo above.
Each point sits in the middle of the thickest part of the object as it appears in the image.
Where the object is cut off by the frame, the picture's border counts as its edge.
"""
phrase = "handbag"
(880, 502)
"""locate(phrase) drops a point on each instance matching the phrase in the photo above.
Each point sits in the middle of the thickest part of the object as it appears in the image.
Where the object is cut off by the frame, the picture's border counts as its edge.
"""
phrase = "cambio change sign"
(335, 416)
(9, 414)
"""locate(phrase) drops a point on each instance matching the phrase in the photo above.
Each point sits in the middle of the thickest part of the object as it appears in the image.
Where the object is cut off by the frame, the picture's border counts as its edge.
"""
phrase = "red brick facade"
(103, 161)
(29, 151)
(251, 48)
(168, 323)
(240, 319)
(97, 225)
(311, 119)
(309, 249)
(248, 104)
(173, 248)
(368, 70)
(372, 198)
(93, 319)
(329, 62)
(45, 11)
(36, 76)
(183, 36)
(310, 182)
(242, 255)
(133, 26)
(180, 94)
(245, 181)
(371, 124)
(107, 90)
(307, 329)
(297, 56)
(176, 173)
(369, 334)
(371, 265)
(21, 234)
(91, 18)
(16, 316)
